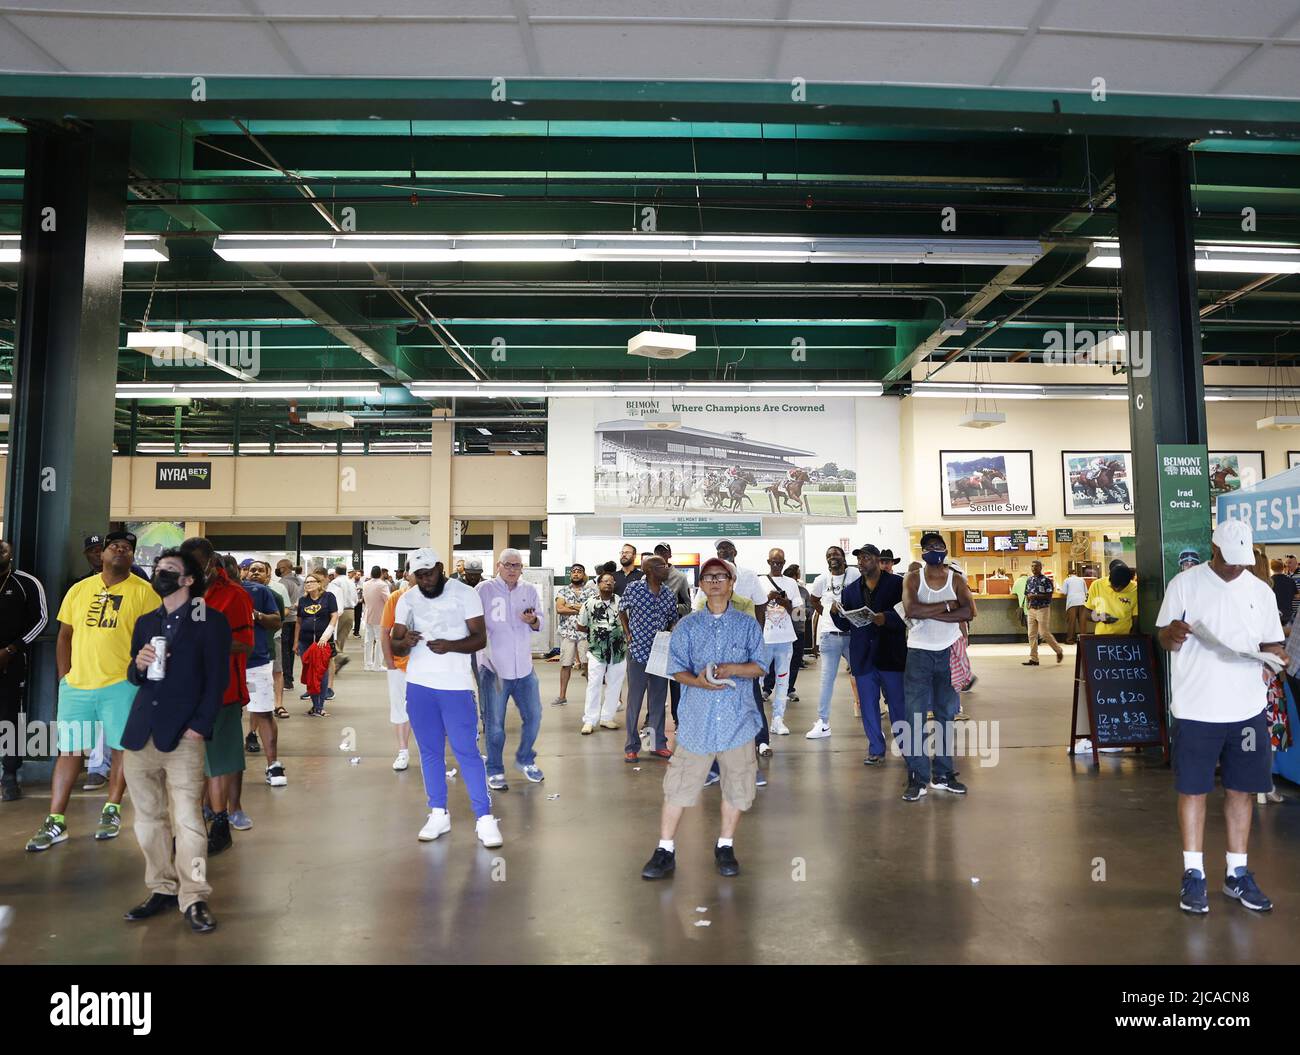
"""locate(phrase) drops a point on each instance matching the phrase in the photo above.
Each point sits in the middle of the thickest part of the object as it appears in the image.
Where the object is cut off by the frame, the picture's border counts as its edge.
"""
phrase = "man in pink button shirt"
(511, 610)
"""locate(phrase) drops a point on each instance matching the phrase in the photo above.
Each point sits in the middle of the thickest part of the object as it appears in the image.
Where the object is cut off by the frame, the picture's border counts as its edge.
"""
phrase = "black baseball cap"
(92, 540)
(869, 549)
(120, 536)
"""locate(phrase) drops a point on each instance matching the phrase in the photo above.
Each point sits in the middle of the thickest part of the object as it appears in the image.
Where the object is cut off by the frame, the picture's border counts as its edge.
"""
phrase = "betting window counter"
(999, 618)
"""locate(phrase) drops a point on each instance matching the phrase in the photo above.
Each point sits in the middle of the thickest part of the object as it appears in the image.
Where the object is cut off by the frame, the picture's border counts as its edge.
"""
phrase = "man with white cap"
(1219, 703)
(440, 625)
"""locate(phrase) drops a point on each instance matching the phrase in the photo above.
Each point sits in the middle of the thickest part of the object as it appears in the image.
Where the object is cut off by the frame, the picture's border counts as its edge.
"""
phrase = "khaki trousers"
(1040, 624)
(167, 792)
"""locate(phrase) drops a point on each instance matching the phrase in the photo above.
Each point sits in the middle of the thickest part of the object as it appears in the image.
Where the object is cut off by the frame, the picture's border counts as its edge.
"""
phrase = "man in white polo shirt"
(1219, 703)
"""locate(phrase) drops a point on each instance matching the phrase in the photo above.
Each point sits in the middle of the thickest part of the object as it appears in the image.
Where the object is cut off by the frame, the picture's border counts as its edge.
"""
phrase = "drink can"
(158, 668)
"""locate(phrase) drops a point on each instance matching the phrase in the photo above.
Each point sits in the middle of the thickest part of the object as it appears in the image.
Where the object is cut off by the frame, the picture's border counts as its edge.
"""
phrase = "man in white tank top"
(940, 601)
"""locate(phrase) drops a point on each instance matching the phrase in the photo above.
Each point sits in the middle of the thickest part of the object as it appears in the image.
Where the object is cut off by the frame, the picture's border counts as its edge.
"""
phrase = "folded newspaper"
(1206, 638)
(858, 616)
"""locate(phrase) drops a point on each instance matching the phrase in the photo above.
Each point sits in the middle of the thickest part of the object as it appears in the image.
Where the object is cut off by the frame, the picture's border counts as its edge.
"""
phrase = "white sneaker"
(402, 760)
(439, 823)
(489, 831)
(779, 727)
(764, 750)
(819, 730)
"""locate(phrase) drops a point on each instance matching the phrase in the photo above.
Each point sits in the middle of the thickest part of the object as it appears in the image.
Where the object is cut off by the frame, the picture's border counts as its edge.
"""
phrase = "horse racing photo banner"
(1097, 483)
(722, 457)
(987, 483)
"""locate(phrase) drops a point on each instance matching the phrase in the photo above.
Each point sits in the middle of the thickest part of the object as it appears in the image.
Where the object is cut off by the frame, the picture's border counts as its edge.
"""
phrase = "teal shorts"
(83, 712)
(225, 751)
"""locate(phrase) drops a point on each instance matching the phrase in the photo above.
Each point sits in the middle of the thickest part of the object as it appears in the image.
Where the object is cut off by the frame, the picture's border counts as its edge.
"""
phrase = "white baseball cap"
(422, 559)
(1236, 542)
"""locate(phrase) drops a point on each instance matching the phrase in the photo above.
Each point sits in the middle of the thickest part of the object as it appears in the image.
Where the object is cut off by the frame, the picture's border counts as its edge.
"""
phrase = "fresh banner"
(1184, 506)
(768, 457)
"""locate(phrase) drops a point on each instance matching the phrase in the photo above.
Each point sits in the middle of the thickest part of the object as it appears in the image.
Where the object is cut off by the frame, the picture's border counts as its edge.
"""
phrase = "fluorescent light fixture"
(517, 454)
(168, 340)
(589, 389)
(330, 420)
(552, 248)
(1279, 422)
(953, 327)
(1218, 256)
(982, 419)
(482, 431)
(250, 390)
(138, 249)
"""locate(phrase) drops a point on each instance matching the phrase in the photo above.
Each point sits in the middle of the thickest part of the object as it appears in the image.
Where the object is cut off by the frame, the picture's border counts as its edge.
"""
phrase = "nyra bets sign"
(183, 476)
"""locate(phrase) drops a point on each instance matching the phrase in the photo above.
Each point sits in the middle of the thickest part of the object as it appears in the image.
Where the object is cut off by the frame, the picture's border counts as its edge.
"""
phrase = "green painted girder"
(163, 97)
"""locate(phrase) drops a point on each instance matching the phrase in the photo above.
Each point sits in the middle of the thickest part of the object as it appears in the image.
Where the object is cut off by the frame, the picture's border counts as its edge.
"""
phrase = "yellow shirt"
(1122, 604)
(102, 620)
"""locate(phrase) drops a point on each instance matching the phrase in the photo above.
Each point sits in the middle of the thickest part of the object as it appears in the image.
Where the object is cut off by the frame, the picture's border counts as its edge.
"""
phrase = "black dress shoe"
(219, 834)
(662, 864)
(154, 904)
(726, 858)
(200, 918)
(251, 745)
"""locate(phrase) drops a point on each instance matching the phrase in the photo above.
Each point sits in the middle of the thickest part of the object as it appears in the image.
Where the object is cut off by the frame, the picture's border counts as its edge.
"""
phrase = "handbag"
(959, 664)
(657, 664)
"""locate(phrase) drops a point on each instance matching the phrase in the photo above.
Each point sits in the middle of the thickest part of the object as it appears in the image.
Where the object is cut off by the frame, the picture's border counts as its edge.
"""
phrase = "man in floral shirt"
(607, 655)
(573, 644)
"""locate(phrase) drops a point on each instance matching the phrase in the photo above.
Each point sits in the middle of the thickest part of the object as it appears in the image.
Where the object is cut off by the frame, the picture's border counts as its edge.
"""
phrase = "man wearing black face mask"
(940, 601)
(170, 720)
(22, 617)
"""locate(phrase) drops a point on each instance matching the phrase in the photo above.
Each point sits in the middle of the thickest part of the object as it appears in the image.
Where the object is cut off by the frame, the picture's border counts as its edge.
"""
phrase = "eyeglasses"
(715, 578)
(516, 564)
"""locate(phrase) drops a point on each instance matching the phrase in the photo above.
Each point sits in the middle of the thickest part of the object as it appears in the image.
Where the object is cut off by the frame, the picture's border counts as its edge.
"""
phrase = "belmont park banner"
(723, 456)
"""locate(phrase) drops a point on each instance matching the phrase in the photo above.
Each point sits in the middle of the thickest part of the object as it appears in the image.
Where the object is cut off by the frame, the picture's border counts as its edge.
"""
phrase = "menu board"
(1117, 695)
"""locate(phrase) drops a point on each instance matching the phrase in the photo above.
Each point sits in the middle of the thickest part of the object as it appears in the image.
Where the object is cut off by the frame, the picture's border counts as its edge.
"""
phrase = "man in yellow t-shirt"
(96, 621)
(1113, 601)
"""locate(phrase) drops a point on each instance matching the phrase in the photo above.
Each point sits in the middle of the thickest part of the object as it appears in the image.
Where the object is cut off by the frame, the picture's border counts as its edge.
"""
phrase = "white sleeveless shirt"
(931, 634)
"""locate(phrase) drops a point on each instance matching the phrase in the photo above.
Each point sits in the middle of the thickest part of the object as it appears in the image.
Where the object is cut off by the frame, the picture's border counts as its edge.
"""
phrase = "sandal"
(311, 714)
(282, 714)
(324, 714)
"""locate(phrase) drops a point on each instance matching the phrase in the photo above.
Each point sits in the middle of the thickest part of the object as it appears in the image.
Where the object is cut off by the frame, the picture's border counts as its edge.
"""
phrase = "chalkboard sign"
(1118, 693)
(973, 538)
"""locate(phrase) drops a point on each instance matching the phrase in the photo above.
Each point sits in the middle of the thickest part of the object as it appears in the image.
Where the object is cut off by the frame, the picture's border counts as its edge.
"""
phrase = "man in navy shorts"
(1219, 702)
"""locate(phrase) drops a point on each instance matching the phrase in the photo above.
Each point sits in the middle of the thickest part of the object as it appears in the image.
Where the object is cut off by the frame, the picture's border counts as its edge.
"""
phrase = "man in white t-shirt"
(440, 624)
(1075, 588)
(832, 642)
(1219, 702)
(779, 633)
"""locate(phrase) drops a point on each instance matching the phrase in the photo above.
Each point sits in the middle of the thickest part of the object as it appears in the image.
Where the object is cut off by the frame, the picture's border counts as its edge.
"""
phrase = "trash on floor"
(703, 923)
(355, 760)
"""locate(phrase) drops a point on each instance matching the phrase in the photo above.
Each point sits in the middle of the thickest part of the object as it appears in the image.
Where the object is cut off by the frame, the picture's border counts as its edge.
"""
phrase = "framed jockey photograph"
(987, 483)
(1232, 470)
(1097, 483)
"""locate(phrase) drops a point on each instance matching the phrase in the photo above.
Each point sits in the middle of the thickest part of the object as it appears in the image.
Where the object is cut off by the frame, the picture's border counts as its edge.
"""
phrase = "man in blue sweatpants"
(878, 648)
(440, 625)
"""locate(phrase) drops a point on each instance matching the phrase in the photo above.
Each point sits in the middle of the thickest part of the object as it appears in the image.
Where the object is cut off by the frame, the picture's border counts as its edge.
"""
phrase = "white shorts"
(261, 689)
(571, 647)
(396, 696)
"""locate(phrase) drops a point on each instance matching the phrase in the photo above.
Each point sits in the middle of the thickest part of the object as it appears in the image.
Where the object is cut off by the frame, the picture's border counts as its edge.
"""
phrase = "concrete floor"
(835, 867)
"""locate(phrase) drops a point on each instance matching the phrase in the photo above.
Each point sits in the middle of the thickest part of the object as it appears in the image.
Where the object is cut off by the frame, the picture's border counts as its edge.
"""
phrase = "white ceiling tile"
(646, 52)
(732, 9)
(940, 12)
(1274, 72)
(907, 56)
(1222, 18)
(455, 50)
(1070, 63)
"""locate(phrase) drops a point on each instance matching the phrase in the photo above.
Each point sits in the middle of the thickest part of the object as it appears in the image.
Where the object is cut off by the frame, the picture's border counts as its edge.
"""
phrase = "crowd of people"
(163, 667)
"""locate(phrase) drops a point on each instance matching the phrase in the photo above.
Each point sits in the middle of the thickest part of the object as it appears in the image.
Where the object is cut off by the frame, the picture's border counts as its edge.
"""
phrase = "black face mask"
(165, 583)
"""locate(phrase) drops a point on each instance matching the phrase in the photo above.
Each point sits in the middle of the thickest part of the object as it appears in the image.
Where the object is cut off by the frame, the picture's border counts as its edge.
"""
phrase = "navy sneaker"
(948, 783)
(1193, 897)
(712, 778)
(1242, 886)
(915, 789)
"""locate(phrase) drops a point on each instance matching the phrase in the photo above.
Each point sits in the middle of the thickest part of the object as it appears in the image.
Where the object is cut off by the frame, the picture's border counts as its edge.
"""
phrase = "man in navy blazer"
(165, 735)
(877, 651)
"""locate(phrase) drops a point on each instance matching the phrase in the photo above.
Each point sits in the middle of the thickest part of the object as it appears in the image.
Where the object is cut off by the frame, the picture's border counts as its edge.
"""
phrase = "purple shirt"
(509, 649)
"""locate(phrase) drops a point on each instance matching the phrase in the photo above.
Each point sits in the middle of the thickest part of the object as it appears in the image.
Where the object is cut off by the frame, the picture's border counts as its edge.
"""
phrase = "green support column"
(1165, 379)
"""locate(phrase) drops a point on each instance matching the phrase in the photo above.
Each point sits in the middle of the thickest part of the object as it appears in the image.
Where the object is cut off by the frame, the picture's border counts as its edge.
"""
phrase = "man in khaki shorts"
(710, 648)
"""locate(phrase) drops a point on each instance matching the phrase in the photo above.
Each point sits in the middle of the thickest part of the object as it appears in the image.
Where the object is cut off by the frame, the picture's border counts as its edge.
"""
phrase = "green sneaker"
(47, 835)
(110, 823)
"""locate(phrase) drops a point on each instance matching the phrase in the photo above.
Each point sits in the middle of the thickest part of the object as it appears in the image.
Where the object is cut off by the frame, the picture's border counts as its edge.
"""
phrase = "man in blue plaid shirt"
(717, 720)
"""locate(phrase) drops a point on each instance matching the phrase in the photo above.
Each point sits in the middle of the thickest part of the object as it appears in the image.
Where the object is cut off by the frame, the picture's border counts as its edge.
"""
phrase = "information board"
(1118, 693)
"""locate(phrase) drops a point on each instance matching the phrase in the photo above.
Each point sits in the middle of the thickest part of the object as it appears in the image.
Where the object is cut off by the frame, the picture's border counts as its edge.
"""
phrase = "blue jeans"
(495, 690)
(927, 686)
(833, 647)
(870, 686)
(439, 715)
